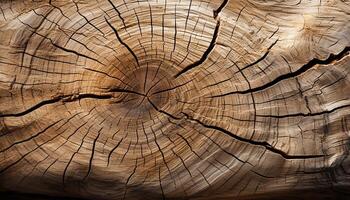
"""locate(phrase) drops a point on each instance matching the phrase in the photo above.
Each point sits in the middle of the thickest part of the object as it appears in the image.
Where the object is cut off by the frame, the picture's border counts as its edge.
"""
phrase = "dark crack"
(122, 42)
(262, 57)
(69, 98)
(92, 155)
(306, 114)
(162, 111)
(63, 98)
(205, 55)
(218, 11)
(332, 58)
(264, 144)
(121, 90)
(253, 142)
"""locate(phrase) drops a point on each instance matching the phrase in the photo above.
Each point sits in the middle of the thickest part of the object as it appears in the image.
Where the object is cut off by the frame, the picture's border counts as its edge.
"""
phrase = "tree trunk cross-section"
(119, 99)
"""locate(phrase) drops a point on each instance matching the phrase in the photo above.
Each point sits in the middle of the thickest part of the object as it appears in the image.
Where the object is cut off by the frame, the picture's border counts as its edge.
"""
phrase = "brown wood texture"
(131, 99)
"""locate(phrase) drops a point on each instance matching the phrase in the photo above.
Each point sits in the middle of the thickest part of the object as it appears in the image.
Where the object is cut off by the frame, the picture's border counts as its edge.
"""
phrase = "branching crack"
(253, 142)
(264, 144)
(332, 58)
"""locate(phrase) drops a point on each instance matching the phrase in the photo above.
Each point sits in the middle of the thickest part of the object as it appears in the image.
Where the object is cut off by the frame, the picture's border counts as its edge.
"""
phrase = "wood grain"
(120, 99)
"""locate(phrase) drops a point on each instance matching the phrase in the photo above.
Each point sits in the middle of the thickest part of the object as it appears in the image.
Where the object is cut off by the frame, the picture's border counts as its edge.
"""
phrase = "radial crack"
(63, 98)
(125, 91)
(306, 114)
(31, 137)
(332, 58)
(218, 11)
(29, 152)
(172, 88)
(205, 55)
(162, 111)
(262, 57)
(119, 14)
(111, 152)
(92, 154)
(122, 42)
(253, 142)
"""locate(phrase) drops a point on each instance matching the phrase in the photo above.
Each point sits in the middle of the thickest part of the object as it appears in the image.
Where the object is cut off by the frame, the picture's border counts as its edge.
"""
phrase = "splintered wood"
(119, 99)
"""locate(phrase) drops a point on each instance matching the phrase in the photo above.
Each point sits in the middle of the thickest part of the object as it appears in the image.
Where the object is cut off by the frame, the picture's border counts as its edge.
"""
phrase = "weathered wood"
(112, 99)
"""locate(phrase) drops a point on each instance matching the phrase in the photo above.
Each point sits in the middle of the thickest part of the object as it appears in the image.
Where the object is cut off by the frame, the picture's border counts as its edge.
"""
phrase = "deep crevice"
(122, 42)
(205, 55)
(304, 68)
(222, 6)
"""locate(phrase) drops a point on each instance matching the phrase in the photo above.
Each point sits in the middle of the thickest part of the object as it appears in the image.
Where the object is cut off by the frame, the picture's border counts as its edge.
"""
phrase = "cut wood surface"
(119, 99)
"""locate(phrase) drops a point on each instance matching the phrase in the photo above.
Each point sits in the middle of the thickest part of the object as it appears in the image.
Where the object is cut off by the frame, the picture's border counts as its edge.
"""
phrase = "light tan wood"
(113, 99)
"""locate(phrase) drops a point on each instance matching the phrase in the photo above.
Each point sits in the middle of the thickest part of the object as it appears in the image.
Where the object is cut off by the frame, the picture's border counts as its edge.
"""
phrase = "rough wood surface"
(119, 99)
